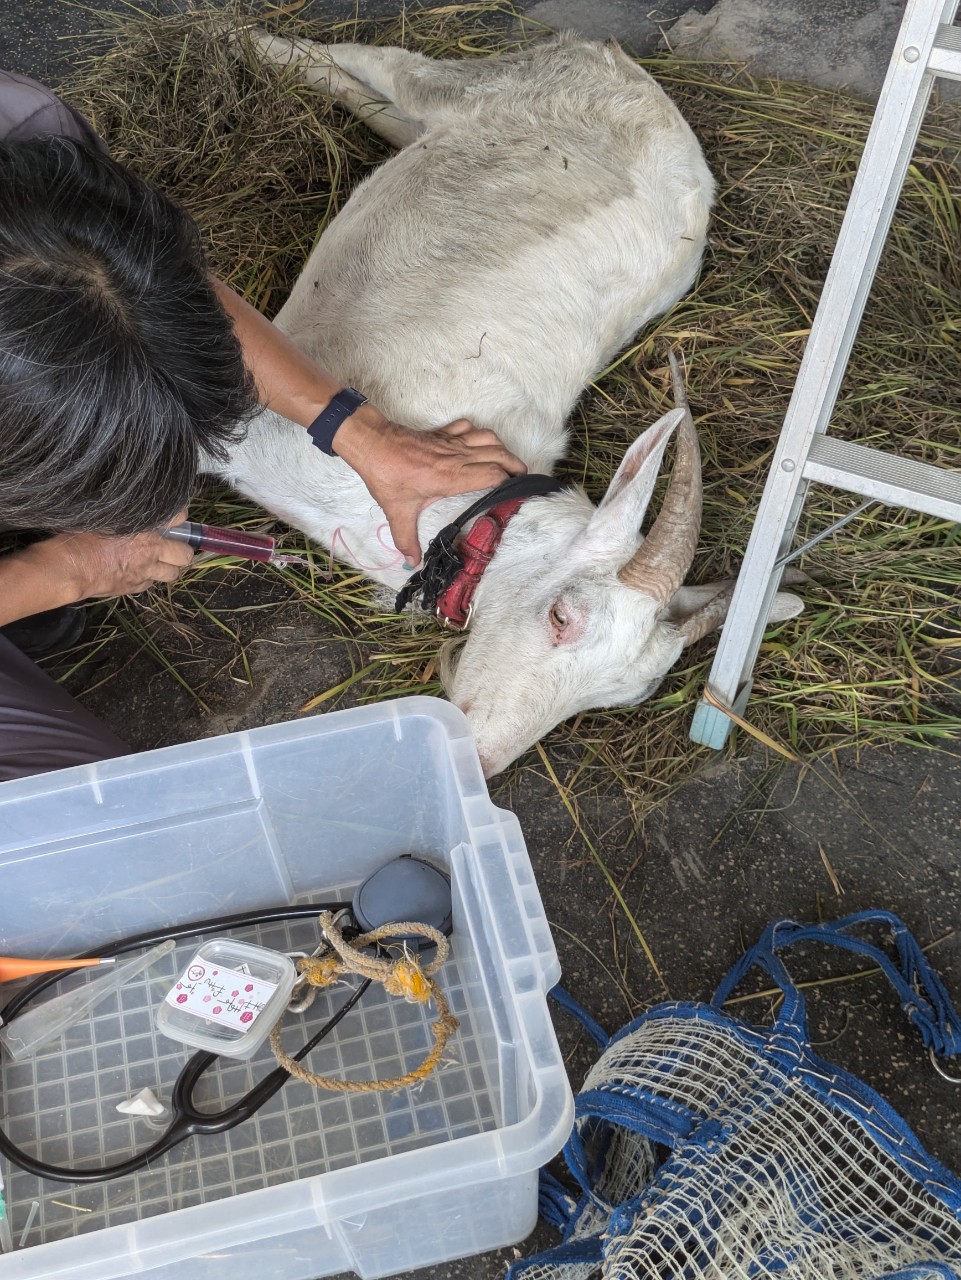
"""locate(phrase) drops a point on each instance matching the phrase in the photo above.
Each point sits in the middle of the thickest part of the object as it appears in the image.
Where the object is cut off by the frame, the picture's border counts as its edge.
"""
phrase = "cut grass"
(263, 164)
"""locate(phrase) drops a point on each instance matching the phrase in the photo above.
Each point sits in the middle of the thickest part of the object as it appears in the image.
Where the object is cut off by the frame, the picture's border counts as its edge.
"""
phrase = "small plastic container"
(228, 997)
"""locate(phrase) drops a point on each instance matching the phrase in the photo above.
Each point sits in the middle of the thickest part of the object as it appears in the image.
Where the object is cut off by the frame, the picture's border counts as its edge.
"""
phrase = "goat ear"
(614, 528)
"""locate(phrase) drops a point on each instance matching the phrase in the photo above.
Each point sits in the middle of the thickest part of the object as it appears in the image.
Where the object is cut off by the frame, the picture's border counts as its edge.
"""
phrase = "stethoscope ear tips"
(407, 888)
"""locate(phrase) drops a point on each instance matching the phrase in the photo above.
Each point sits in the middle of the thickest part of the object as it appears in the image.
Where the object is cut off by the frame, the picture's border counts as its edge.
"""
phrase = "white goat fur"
(543, 207)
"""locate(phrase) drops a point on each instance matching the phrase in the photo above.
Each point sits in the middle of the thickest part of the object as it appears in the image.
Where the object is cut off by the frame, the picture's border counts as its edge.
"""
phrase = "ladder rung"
(945, 59)
(899, 482)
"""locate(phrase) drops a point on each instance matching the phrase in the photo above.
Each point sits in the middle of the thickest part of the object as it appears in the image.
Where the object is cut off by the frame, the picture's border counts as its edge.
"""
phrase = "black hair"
(118, 365)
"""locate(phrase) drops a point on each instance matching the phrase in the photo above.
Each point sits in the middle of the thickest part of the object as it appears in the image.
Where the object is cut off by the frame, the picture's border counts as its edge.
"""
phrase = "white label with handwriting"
(225, 996)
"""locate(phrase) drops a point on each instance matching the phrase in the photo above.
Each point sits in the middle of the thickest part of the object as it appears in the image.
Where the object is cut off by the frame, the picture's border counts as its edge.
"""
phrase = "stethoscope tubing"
(187, 1120)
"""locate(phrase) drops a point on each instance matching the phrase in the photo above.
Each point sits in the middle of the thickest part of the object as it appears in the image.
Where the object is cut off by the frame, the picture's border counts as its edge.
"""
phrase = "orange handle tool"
(11, 968)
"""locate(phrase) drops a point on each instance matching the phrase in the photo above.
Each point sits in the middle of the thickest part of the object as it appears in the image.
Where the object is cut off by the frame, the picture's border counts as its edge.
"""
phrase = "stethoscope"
(406, 888)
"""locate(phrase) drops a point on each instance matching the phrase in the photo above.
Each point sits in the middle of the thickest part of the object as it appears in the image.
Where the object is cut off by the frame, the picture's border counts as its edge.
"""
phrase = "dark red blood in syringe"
(225, 542)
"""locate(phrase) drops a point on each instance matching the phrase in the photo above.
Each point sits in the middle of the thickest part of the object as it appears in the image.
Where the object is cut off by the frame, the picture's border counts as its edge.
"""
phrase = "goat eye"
(558, 617)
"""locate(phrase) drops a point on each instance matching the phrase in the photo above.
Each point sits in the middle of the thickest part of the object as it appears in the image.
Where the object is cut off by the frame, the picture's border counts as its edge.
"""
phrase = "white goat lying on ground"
(543, 207)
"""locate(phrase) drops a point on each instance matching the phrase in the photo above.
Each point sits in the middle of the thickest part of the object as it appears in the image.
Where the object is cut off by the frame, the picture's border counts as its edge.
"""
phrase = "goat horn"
(708, 618)
(662, 561)
(713, 613)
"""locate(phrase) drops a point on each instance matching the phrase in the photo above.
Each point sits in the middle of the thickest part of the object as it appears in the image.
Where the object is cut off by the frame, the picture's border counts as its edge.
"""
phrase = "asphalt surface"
(741, 844)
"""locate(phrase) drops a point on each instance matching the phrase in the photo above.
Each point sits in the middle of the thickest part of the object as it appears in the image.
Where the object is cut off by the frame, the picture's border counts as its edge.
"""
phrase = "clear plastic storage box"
(318, 1183)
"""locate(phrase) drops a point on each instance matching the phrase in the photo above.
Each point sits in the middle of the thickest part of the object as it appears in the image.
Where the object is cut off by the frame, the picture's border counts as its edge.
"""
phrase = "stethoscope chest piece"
(406, 888)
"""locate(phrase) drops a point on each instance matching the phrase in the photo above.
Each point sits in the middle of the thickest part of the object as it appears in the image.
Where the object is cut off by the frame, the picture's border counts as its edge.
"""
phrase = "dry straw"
(263, 164)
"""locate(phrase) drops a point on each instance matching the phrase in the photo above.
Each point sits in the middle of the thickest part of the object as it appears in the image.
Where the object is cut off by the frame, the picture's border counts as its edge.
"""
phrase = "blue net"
(704, 1146)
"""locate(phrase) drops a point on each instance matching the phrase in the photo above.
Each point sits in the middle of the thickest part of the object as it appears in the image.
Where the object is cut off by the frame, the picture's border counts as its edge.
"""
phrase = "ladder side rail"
(867, 220)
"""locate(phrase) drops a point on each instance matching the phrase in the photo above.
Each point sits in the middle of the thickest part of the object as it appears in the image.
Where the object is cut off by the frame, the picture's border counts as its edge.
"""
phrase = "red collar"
(476, 549)
(450, 557)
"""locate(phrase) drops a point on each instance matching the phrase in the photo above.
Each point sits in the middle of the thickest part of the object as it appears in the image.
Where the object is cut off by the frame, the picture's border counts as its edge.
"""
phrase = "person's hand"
(93, 565)
(407, 470)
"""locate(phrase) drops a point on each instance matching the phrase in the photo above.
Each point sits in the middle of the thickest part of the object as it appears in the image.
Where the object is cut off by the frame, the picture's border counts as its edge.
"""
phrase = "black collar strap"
(441, 560)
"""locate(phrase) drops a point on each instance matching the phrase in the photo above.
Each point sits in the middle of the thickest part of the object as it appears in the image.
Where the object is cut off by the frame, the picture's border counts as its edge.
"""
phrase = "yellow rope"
(403, 977)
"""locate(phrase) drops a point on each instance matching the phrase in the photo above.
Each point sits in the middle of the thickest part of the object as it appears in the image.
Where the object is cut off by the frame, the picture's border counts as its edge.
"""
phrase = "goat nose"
(465, 705)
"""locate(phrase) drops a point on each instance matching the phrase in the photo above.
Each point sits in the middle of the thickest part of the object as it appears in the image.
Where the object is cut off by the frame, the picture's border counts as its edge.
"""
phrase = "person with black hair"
(122, 361)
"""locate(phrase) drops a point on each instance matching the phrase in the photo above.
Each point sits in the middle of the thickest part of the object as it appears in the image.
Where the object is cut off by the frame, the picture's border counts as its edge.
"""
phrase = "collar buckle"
(449, 624)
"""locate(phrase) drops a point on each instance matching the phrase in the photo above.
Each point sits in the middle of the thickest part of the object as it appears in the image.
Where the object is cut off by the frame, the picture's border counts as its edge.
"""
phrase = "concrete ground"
(741, 844)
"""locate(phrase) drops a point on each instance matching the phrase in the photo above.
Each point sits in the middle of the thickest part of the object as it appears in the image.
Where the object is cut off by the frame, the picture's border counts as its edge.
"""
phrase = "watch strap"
(324, 427)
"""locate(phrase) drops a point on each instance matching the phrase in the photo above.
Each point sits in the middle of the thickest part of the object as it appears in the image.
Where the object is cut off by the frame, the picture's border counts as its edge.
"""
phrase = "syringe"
(231, 542)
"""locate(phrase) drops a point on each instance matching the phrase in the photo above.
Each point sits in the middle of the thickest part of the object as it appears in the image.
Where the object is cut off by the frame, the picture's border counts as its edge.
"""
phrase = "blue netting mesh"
(706, 1147)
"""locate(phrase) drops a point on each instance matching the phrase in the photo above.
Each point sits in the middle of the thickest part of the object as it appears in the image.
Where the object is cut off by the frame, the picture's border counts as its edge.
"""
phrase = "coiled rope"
(402, 977)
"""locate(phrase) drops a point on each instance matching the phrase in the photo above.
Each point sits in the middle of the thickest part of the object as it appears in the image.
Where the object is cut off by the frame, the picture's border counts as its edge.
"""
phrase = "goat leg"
(352, 79)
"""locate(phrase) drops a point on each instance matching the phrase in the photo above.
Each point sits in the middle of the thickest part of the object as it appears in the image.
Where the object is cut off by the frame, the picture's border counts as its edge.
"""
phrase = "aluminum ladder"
(927, 47)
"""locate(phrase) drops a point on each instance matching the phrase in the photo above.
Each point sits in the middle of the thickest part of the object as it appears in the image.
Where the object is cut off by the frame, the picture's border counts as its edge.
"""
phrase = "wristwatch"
(324, 427)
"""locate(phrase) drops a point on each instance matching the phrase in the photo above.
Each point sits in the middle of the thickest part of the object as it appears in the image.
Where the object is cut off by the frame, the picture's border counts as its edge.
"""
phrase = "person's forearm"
(288, 381)
(30, 583)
